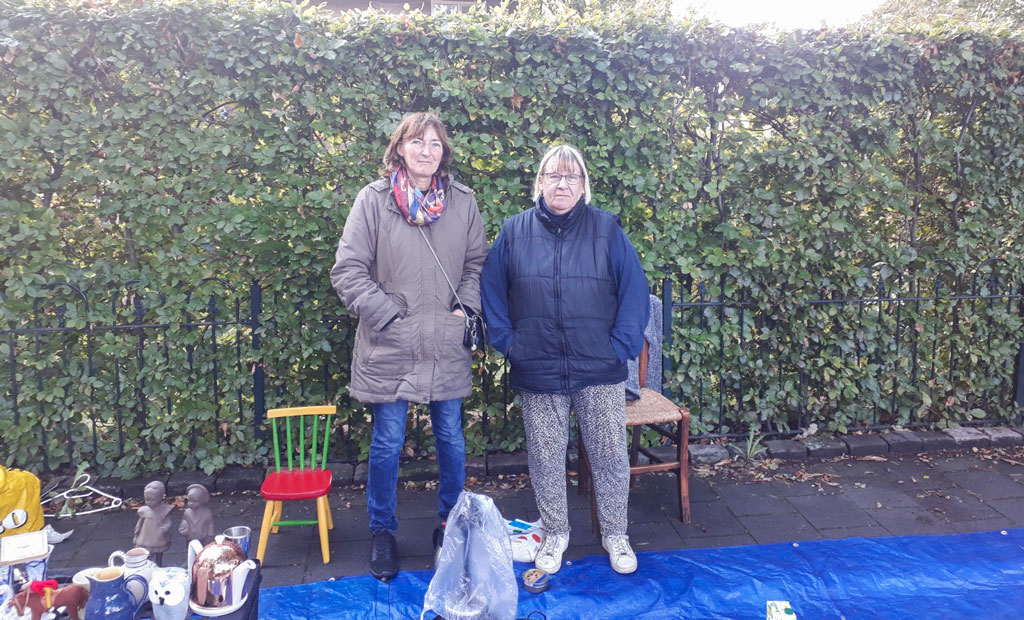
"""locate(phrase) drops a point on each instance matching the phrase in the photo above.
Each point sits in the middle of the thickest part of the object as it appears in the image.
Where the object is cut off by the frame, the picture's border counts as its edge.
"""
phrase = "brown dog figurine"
(73, 598)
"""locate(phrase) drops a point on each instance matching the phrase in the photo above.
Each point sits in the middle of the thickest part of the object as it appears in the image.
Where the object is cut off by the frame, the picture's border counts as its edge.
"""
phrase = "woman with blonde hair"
(566, 302)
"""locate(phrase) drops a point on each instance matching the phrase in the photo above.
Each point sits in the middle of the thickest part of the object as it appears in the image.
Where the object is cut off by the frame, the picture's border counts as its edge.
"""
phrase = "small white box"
(780, 610)
(25, 547)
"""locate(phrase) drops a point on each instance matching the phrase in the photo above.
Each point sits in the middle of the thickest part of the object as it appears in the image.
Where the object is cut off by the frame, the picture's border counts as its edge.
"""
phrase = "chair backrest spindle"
(299, 413)
(313, 444)
(642, 365)
(277, 448)
(302, 442)
(327, 438)
(288, 422)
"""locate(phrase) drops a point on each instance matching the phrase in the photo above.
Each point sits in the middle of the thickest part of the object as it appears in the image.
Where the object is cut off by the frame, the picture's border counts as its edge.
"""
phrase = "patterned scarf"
(419, 208)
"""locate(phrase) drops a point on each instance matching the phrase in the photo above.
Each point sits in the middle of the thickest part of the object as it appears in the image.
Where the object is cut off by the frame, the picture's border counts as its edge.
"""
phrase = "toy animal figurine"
(42, 596)
(153, 529)
(197, 523)
(168, 592)
(6, 592)
(10, 612)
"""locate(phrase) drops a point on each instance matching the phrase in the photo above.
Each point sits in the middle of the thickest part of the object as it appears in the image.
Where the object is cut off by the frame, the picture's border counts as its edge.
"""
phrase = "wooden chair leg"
(583, 481)
(634, 446)
(595, 523)
(268, 520)
(330, 518)
(321, 524)
(684, 469)
(278, 509)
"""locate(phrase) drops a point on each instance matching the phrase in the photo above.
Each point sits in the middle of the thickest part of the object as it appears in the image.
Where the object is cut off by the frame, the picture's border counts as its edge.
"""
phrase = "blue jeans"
(386, 448)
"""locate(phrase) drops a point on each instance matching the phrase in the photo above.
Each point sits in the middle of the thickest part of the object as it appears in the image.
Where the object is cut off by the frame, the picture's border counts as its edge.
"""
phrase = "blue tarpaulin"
(960, 576)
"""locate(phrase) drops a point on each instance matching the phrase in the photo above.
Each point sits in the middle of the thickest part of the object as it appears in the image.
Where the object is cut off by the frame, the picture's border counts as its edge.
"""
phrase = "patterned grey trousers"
(601, 412)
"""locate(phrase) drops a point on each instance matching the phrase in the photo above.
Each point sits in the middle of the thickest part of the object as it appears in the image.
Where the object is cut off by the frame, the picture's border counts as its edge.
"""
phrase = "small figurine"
(197, 524)
(168, 592)
(153, 529)
(41, 596)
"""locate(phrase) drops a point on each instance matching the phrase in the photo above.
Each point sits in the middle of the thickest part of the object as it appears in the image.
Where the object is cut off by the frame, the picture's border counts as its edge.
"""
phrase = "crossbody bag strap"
(445, 274)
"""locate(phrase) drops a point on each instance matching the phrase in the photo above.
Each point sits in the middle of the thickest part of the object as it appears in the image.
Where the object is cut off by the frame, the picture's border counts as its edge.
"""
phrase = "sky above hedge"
(787, 14)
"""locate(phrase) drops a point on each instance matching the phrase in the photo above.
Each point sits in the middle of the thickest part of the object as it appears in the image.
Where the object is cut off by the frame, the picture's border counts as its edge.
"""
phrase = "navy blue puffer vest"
(562, 300)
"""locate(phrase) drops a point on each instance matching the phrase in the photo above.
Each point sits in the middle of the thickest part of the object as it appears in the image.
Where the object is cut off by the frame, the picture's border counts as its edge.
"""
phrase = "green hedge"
(172, 142)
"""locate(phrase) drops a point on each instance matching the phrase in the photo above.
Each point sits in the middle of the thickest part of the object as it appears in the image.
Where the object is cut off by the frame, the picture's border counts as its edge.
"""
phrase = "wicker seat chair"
(654, 411)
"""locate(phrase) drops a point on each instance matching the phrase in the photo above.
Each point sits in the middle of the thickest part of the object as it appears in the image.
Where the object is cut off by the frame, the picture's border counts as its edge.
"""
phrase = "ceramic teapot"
(217, 575)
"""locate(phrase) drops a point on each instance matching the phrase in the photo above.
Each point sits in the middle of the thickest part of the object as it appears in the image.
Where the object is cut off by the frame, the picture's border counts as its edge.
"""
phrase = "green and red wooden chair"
(297, 481)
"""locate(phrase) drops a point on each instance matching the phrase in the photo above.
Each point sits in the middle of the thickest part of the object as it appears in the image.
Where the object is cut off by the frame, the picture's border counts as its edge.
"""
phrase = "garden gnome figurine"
(153, 529)
(197, 524)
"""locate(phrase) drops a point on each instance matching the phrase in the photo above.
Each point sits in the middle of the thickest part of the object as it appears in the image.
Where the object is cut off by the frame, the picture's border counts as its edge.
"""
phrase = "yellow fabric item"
(20, 510)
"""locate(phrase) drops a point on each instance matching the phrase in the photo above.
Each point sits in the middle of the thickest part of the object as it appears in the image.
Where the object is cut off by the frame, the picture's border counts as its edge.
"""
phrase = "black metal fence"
(912, 351)
(136, 381)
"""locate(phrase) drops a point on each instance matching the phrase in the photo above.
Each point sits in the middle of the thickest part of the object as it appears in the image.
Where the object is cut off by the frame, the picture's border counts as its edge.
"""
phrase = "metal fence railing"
(81, 379)
(730, 353)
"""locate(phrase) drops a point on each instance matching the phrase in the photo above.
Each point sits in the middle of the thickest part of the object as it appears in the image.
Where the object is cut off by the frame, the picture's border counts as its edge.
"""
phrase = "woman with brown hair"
(408, 265)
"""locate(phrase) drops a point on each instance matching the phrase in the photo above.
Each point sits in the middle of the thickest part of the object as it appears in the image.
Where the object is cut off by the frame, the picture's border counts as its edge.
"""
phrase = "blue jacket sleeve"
(634, 298)
(494, 296)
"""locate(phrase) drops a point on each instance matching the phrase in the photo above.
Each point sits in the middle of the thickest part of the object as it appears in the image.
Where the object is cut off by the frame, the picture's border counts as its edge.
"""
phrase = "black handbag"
(475, 335)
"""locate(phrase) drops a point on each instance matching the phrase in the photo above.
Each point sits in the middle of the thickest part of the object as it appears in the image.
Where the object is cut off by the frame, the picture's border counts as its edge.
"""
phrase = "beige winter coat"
(383, 269)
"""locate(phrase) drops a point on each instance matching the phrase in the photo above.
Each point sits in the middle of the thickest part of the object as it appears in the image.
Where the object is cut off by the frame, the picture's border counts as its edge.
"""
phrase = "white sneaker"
(549, 556)
(620, 554)
(53, 536)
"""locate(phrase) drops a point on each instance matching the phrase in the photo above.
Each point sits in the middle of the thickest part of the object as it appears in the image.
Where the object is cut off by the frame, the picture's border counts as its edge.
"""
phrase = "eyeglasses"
(554, 178)
(417, 144)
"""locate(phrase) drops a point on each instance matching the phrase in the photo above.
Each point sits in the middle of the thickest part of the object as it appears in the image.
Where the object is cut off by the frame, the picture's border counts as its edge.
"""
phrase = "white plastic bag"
(474, 579)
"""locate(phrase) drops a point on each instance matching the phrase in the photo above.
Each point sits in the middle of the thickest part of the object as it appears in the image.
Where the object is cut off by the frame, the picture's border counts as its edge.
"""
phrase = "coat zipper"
(558, 304)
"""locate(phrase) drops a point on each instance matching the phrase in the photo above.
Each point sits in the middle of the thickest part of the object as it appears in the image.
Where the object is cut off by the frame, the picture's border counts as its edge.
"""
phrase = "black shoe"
(438, 542)
(384, 556)
(439, 536)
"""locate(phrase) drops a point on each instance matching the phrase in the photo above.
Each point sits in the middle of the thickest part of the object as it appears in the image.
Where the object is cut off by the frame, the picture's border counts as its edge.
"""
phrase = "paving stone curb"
(1002, 437)
(738, 450)
(361, 471)
(786, 449)
(902, 442)
(127, 489)
(418, 471)
(234, 479)
(475, 466)
(237, 479)
(932, 441)
(707, 454)
(505, 464)
(179, 481)
(342, 474)
(966, 438)
(865, 445)
(823, 447)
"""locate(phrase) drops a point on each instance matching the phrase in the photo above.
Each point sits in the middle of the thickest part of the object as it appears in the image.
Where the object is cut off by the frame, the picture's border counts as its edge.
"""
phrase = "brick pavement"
(933, 493)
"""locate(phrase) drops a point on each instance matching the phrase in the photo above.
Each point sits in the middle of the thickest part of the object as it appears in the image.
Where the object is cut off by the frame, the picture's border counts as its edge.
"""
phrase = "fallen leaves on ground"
(1012, 455)
(504, 482)
(776, 470)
